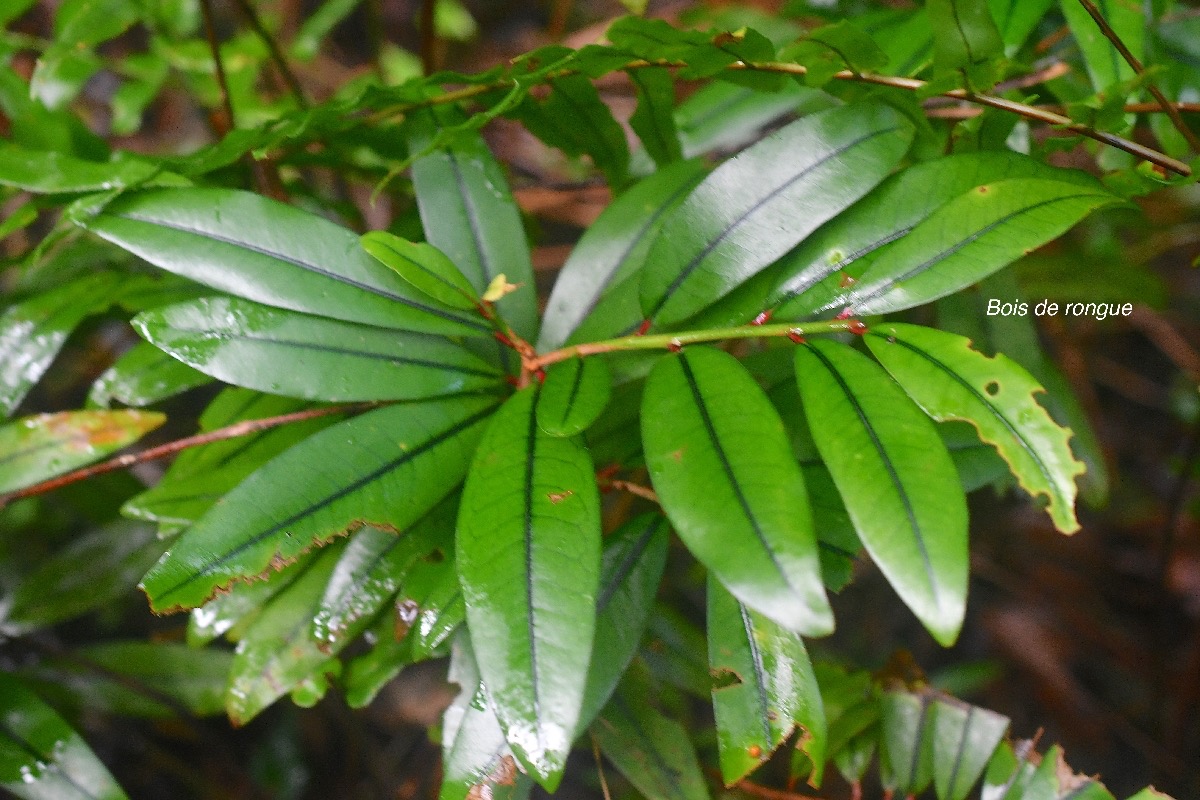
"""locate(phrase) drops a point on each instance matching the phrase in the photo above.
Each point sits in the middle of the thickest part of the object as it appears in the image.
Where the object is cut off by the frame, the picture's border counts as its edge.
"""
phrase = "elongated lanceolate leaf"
(424, 266)
(723, 469)
(964, 33)
(469, 214)
(477, 762)
(277, 652)
(32, 332)
(759, 204)
(632, 567)
(42, 446)
(49, 172)
(386, 468)
(573, 396)
(529, 563)
(1105, 66)
(843, 248)
(653, 120)
(764, 687)
(144, 375)
(725, 117)
(650, 749)
(906, 742)
(968, 239)
(896, 479)
(313, 358)
(964, 738)
(264, 251)
(610, 252)
(41, 756)
(949, 380)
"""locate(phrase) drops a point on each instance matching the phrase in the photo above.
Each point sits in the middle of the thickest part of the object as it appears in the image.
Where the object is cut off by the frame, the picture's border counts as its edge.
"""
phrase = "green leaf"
(906, 743)
(477, 761)
(256, 248)
(41, 757)
(96, 570)
(725, 117)
(631, 569)
(611, 252)
(843, 248)
(829, 49)
(386, 468)
(574, 119)
(314, 358)
(424, 266)
(371, 570)
(32, 332)
(653, 751)
(431, 606)
(35, 448)
(653, 120)
(54, 172)
(949, 380)
(710, 436)
(573, 396)
(968, 239)
(757, 206)
(230, 612)
(964, 34)
(764, 688)
(964, 738)
(529, 563)
(277, 652)
(896, 479)
(142, 376)
(470, 215)
(1016, 19)
(1105, 66)
(144, 679)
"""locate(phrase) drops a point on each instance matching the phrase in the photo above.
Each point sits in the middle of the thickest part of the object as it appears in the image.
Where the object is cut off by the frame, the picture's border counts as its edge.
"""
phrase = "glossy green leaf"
(611, 252)
(54, 172)
(710, 436)
(631, 569)
(95, 570)
(653, 120)
(964, 33)
(529, 563)
(764, 688)
(1008, 771)
(1105, 66)
(385, 468)
(476, 760)
(142, 376)
(143, 679)
(231, 611)
(256, 248)
(41, 757)
(964, 738)
(573, 118)
(201, 475)
(675, 652)
(843, 248)
(469, 214)
(366, 674)
(277, 653)
(431, 606)
(896, 479)
(1017, 19)
(830, 49)
(757, 206)
(314, 358)
(32, 332)
(949, 380)
(371, 570)
(652, 750)
(722, 116)
(573, 396)
(35, 448)
(424, 266)
(906, 743)
(968, 239)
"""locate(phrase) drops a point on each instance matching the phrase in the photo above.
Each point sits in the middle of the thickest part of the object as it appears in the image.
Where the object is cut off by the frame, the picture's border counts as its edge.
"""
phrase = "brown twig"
(428, 36)
(1132, 61)
(210, 33)
(966, 112)
(644, 492)
(277, 56)
(243, 428)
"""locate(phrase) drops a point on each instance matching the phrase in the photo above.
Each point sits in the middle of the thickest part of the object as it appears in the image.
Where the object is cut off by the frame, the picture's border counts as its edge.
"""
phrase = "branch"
(671, 341)
(210, 33)
(243, 428)
(1133, 62)
(277, 55)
